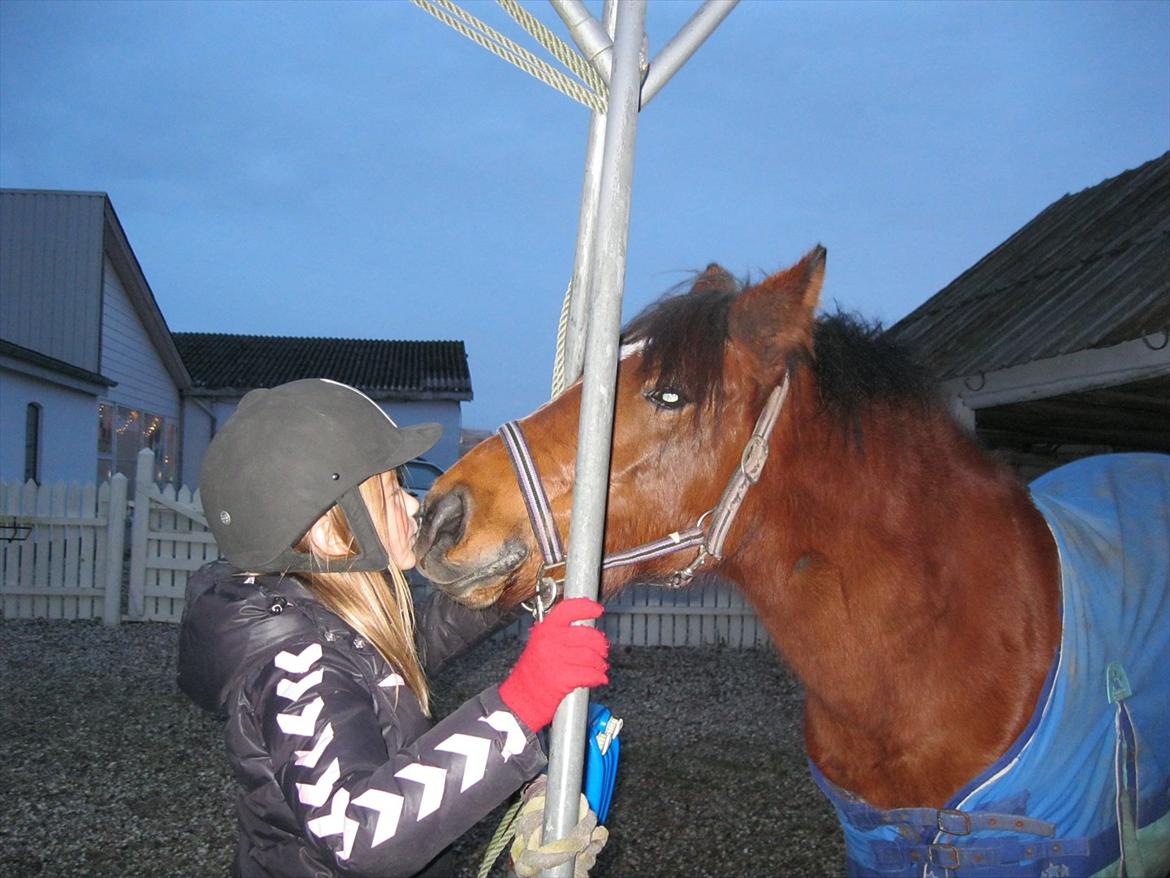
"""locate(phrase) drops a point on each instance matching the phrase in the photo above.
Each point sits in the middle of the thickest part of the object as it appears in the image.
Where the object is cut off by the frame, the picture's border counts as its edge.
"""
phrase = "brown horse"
(904, 575)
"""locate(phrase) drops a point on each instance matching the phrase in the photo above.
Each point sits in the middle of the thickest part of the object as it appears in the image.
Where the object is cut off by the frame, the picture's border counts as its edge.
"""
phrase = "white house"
(90, 373)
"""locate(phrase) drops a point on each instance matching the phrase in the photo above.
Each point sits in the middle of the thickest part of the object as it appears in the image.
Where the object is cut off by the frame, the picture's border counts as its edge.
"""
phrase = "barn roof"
(1090, 271)
(223, 364)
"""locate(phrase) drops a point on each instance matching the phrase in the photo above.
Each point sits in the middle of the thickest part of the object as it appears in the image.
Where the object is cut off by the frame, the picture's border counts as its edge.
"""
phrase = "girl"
(306, 640)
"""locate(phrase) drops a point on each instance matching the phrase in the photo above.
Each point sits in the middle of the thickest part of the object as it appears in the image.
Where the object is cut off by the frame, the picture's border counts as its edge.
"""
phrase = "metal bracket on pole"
(591, 38)
(594, 42)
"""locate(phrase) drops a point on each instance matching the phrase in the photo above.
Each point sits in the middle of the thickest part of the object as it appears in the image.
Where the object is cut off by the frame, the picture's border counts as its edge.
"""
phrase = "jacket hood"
(232, 621)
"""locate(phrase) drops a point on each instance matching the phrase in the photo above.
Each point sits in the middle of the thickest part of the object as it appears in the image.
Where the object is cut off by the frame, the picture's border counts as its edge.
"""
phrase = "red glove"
(559, 658)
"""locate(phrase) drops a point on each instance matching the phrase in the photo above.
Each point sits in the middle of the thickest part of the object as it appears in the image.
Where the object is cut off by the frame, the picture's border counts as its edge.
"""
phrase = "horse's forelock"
(682, 340)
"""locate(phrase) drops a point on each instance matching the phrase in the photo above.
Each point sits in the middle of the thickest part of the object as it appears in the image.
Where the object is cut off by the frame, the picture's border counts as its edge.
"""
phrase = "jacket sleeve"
(445, 629)
(365, 798)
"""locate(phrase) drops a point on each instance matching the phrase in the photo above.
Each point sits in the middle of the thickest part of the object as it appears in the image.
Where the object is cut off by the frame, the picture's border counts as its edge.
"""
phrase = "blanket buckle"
(944, 855)
(954, 822)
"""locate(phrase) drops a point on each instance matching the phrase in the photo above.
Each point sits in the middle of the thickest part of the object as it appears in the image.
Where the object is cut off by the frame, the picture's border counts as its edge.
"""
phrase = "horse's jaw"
(475, 585)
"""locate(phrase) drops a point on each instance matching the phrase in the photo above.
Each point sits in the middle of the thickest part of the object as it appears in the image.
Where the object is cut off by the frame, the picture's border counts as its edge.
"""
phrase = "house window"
(105, 451)
(124, 431)
(32, 442)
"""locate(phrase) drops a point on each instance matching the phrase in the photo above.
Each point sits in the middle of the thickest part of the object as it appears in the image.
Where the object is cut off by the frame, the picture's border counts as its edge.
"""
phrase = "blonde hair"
(378, 605)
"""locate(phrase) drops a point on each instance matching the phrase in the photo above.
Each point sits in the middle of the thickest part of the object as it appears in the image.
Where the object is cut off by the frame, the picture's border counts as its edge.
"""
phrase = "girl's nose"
(411, 504)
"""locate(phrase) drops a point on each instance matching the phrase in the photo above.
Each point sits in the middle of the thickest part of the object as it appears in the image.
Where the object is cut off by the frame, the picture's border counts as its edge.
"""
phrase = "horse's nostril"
(442, 523)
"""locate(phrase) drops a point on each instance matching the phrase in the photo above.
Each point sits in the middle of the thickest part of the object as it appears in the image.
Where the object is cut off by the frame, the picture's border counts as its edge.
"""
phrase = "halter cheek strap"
(710, 541)
(535, 500)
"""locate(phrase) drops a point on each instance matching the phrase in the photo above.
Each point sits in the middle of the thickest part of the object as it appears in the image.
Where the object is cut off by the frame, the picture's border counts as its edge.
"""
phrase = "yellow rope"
(499, 839)
(556, 47)
(501, 46)
(558, 376)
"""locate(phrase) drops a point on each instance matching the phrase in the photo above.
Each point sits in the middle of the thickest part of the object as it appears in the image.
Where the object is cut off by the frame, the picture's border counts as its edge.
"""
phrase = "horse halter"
(710, 541)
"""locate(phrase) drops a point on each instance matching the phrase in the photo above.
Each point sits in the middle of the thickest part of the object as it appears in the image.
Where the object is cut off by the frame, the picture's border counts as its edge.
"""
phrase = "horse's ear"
(775, 317)
(716, 279)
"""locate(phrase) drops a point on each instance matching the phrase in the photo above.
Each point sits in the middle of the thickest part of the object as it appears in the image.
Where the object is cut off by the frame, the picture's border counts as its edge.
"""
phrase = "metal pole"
(591, 38)
(583, 265)
(567, 746)
(685, 43)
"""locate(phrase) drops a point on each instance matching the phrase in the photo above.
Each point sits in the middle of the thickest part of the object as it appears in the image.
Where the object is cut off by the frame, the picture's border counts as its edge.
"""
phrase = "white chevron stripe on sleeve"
(475, 749)
(298, 663)
(291, 691)
(336, 823)
(503, 721)
(309, 758)
(317, 794)
(433, 780)
(389, 808)
(391, 682)
(301, 724)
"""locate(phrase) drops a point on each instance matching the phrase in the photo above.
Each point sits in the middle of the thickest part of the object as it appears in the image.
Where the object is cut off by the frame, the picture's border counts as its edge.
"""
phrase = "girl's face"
(401, 507)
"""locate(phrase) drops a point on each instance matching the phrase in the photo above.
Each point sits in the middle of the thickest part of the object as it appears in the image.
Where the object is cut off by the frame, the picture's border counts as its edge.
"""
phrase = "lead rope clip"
(540, 603)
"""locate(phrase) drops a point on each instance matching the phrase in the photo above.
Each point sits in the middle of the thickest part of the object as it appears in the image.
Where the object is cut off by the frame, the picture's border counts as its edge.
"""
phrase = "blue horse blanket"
(1085, 790)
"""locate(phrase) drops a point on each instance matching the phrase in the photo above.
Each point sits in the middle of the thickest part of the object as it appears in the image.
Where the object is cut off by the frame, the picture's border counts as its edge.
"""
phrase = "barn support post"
(567, 745)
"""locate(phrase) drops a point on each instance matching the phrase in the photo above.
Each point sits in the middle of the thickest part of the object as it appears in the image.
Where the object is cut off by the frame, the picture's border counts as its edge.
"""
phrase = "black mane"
(855, 365)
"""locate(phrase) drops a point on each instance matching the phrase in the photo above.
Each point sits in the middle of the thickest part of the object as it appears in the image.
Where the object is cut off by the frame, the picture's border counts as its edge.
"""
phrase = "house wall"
(68, 448)
(50, 273)
(144, 385)
(445, 412)
(129, 356)
(199, 424)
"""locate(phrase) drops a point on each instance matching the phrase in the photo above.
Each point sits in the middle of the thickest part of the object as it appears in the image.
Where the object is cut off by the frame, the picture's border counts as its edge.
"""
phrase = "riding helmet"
(285, 457)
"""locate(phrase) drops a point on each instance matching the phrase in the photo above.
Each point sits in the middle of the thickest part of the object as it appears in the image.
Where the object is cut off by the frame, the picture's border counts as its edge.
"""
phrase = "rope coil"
(523, 823)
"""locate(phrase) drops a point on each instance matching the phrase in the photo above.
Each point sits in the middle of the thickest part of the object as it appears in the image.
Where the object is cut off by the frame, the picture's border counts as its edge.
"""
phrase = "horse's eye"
(666, 399)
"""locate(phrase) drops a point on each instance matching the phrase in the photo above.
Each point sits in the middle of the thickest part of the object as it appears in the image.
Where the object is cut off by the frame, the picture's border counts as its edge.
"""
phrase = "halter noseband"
(710, 541)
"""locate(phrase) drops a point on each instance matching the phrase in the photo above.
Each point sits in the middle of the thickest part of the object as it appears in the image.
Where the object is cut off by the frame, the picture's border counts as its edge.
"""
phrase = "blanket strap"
(1125, 770)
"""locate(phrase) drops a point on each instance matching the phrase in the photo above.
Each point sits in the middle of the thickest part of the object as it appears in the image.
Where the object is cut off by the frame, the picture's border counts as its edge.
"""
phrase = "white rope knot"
(530, 857)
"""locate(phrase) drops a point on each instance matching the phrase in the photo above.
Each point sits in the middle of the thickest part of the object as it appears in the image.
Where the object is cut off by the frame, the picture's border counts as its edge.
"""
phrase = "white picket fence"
(63, 549)
(167, 544)
(65, 554)
(59, 556)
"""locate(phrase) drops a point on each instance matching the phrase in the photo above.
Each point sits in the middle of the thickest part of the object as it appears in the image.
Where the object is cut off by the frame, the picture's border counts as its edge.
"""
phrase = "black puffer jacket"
(340, 771)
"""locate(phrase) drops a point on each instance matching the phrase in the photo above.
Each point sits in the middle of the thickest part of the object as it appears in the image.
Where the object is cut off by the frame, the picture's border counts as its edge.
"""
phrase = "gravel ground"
(109, 771)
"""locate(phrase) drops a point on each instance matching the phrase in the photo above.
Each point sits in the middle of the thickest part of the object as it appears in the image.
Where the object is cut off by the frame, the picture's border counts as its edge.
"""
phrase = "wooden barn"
(1056, 344)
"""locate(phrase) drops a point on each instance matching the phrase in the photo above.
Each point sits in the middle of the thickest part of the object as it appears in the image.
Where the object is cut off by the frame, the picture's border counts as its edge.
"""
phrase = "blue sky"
(360, 170)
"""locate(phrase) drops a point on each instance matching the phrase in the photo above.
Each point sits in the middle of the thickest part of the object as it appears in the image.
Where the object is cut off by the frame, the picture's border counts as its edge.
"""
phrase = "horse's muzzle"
(443, 522)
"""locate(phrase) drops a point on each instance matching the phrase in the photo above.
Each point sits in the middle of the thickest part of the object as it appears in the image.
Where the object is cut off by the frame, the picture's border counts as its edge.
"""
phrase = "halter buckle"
(755, 455)
(683, 577)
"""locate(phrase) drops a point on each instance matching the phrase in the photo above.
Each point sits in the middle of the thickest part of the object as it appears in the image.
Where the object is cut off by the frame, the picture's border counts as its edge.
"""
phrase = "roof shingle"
(225, 363)
(1091, 270)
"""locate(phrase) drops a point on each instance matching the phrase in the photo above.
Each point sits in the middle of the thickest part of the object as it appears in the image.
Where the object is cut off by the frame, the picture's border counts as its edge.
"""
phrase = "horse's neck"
(915, 595)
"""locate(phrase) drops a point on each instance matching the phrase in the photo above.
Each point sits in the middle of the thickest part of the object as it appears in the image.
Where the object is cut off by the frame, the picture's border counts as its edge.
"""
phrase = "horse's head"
(696, 372)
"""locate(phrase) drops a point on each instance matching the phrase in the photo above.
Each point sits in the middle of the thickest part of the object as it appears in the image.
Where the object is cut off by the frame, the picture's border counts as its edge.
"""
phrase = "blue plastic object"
(601, 768)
